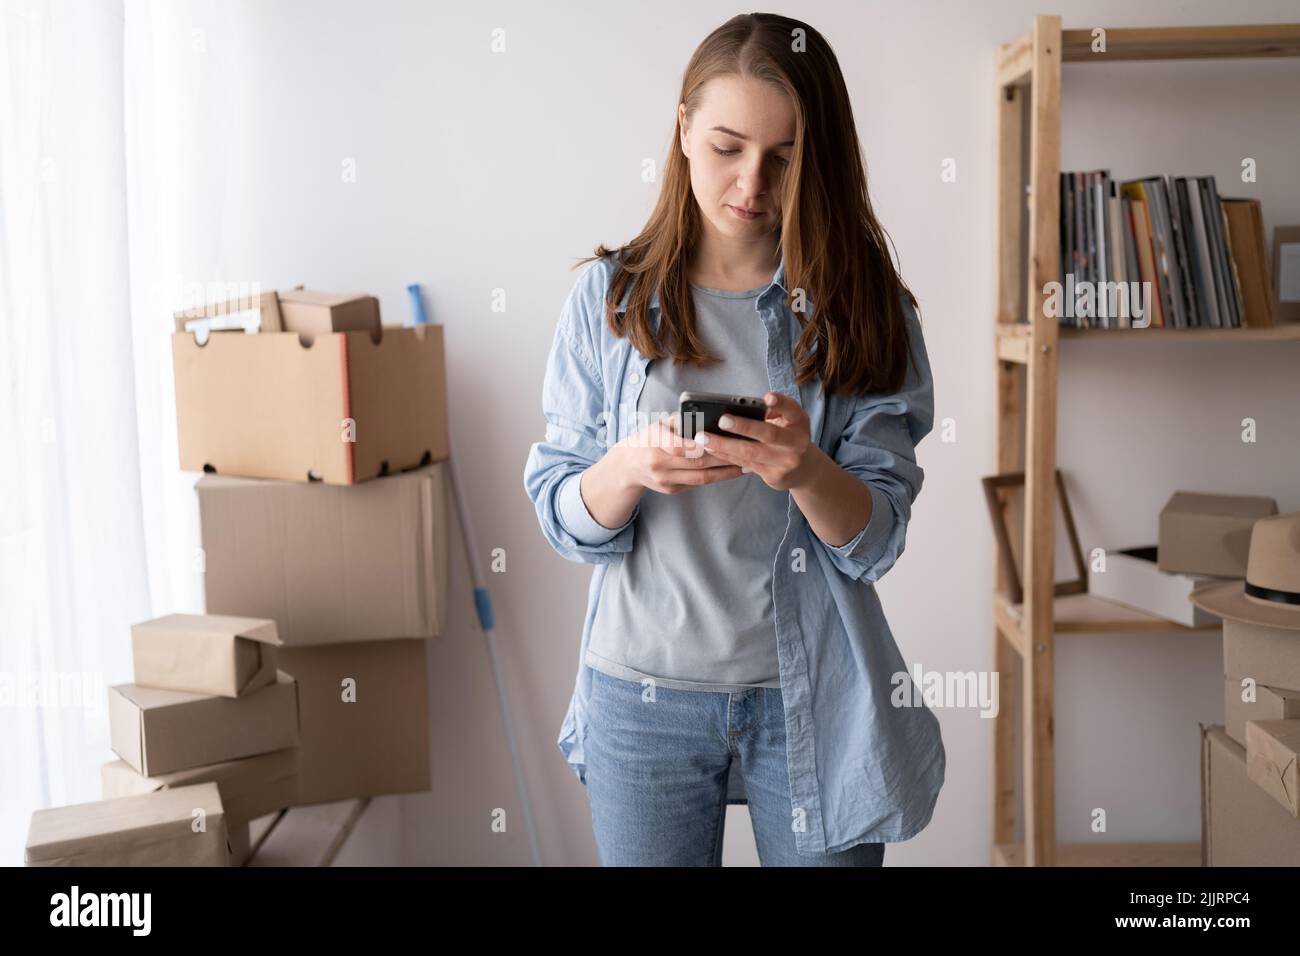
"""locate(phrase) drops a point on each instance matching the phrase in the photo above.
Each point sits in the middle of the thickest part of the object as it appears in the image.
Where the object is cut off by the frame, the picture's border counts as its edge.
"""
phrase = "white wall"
(477, 171)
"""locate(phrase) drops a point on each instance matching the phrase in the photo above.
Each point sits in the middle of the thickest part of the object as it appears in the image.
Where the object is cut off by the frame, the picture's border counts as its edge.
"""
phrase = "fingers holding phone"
(658, 457)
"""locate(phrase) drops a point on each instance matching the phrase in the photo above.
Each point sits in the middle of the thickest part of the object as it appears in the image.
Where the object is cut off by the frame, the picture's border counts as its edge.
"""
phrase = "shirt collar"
(778, 280)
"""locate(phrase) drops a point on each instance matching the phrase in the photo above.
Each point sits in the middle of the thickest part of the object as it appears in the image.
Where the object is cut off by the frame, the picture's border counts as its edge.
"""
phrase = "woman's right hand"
(657, 458)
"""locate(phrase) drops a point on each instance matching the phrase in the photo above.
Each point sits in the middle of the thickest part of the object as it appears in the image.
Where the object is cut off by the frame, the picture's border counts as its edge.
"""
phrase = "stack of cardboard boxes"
(209, 704)
(1250, 812)
(324, 522)
(324, 508)
(209, 716)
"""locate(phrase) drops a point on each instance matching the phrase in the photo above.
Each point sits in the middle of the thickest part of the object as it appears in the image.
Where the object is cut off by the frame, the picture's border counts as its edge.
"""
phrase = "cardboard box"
(251, 787)
(158, 731)
(1270, 703)
(1209, 534)
(152, 829)
(341, 410)
(1272, 747)
(205, 653)
(243, 313)
(1271, 655)
(365, 719)
(329, 565)
(1240, 823)
(311, 313)
(1133, 578)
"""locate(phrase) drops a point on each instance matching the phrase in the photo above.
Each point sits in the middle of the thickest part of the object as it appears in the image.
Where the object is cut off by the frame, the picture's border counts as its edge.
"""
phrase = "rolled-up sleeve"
(573, 403)
(878, 446)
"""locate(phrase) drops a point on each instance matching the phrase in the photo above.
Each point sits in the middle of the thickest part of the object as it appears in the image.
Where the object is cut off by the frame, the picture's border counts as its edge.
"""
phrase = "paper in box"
(242, 313)
(365, 719)
(342, 408)
(158, 731)
(152, 829)
(205, 653)
(250, 786)
(1209, 534)
(1241, 825)
(1132, 578)
(329, 564)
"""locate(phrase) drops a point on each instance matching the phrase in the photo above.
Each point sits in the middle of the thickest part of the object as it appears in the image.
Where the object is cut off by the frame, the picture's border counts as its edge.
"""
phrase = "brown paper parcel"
(152, 829)
(205, 653)
(250, 786)
(157, 731)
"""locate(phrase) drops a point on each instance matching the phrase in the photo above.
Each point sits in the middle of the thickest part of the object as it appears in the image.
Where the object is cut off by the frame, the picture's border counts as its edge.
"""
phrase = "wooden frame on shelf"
(997, 511)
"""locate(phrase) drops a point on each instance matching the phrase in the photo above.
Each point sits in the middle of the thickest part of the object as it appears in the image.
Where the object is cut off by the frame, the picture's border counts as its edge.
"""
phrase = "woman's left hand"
(782, 452)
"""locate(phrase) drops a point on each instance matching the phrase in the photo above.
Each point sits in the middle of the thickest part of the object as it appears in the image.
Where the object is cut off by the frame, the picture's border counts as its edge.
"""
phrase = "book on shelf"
(1160, 251)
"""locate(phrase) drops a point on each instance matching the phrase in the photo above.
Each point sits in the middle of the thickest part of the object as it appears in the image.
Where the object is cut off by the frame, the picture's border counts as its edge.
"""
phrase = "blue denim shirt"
(861, 769)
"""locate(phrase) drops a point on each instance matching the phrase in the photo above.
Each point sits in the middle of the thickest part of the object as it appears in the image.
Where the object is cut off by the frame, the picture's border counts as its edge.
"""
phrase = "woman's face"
(738, 144)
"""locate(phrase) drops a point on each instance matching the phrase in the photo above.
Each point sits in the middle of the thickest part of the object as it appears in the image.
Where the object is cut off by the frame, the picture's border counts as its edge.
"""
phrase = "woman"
(734, 649)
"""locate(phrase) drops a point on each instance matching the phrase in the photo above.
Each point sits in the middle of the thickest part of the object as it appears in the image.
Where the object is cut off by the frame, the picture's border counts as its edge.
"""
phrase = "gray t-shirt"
(691, 604)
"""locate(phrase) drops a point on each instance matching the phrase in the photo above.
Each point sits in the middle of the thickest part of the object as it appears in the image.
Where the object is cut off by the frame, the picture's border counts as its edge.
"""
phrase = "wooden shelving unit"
(1029, 98)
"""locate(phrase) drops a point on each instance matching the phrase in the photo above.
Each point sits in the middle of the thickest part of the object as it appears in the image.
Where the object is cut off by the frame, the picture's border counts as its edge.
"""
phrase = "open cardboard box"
(337, 407)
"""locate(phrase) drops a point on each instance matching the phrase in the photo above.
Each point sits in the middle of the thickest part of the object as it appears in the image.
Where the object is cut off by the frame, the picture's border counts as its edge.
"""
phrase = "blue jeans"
(657, 776)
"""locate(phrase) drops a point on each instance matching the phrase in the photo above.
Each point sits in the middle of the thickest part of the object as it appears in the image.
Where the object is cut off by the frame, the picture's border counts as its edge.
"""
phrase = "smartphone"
(700, 412)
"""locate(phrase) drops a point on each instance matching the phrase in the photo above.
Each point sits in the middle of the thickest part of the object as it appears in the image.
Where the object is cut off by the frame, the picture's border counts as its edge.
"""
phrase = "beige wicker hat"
(1270, 594)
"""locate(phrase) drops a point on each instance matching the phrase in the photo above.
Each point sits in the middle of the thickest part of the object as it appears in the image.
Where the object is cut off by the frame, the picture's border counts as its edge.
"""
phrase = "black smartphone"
(700, 412)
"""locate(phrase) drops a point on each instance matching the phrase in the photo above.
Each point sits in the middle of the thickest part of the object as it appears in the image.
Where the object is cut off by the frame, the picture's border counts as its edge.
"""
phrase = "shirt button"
(634, 377)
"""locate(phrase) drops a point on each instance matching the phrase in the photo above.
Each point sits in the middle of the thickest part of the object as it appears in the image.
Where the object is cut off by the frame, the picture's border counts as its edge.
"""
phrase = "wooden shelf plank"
(1289, 331)
(1108, 854)
(1013, 337)
(1184, 43)
(1087, 613)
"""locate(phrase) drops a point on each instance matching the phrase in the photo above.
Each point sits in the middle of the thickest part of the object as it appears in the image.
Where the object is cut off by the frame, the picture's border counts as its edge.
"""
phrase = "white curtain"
(98, 526)
(72, 552)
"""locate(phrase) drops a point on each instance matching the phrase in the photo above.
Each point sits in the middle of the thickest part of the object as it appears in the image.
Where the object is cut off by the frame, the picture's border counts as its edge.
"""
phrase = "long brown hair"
(835, 250)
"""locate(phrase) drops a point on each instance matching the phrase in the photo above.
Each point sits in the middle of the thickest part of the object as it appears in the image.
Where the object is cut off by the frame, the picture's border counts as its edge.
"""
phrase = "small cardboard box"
(205, 653)
(1133, 578)
(343, 409)
(329, 565)
(1240, 824)
(1270, 703)
(1270, 655)
(152, 829)
(251, 787)
(365, 719)
(1209, 534)
(158, 731)
(1272, 747)
(311, 313)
